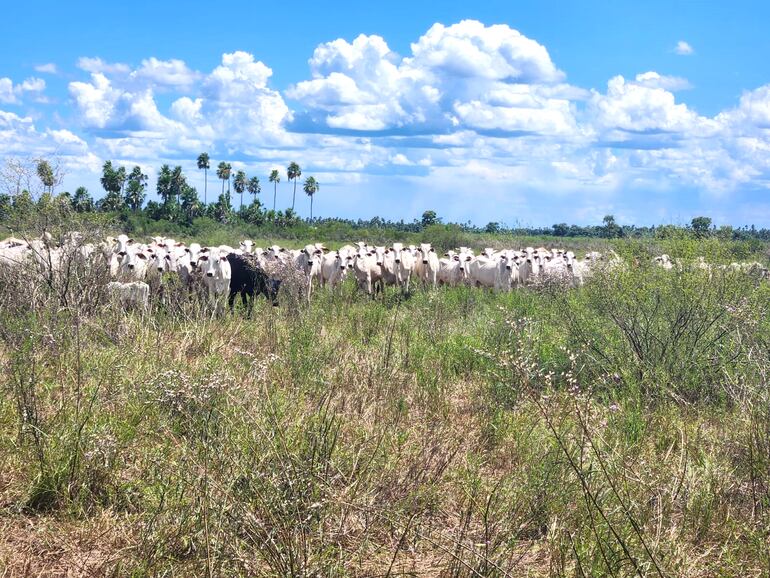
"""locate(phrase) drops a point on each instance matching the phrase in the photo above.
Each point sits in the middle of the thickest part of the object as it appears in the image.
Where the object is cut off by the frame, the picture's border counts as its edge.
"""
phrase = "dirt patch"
(44, 546)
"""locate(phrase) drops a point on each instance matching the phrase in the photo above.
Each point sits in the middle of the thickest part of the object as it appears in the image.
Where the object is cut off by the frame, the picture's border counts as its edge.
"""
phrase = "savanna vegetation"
(621, 428)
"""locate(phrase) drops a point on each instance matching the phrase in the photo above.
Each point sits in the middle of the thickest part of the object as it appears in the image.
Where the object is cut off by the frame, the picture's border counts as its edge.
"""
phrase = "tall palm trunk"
(275, 192)
(223, 186)
(294, 196)
(205, 186)
(311, 207)
(241, 207)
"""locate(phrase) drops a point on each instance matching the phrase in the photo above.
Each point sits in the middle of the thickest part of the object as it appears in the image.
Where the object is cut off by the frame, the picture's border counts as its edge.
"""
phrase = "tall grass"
(618, 429)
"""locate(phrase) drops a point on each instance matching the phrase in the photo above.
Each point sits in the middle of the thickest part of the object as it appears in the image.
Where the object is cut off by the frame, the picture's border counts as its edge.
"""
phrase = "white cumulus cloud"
(11, 93)
(47, 68)
(683, 48)
(455, 74)
(471, 50)
(231, 104)
(642, 106)
(654, 80)
(173, 73)
(95, 65)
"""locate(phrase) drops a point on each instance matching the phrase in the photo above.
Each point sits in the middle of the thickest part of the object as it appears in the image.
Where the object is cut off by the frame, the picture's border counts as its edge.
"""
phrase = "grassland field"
(621, 428)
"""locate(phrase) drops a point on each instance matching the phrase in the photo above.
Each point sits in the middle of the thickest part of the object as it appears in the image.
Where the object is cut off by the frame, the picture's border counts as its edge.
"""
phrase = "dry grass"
(453, 434)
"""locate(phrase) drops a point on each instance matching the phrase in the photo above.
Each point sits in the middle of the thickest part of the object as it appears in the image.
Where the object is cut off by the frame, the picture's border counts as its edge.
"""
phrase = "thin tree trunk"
(241, 202)
(311, 207)
(205, 185)
(275, 192)
(223, 186)
(294, 195)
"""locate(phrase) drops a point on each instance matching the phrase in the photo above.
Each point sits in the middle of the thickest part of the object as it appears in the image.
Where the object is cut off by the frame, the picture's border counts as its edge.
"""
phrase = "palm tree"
(239, 184)
(275, 178)
(254, 187)
(311, 187)
(82, 201)
(293, 172)
(110, 178)
(45, 172)
(203, 163)
(137, 183)
(165, 184)
(178, 181)
(223, 172)
(189, 202)
(121, 177)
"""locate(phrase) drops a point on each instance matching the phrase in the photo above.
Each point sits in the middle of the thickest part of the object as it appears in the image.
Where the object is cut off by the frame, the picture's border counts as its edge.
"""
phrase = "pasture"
(619, 428)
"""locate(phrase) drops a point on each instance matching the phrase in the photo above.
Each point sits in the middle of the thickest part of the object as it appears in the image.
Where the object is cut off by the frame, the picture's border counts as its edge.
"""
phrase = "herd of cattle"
(250, 271)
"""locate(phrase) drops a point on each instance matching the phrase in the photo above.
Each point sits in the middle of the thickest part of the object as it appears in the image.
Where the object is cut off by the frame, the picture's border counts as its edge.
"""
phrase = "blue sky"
(520, 112)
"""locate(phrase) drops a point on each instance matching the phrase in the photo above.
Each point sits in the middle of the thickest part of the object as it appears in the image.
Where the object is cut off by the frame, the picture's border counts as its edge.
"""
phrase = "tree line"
(126, 195)
(127, 191)
(179, 201)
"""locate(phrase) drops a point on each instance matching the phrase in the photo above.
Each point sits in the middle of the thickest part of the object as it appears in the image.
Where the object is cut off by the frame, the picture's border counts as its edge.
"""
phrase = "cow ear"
(141, 256)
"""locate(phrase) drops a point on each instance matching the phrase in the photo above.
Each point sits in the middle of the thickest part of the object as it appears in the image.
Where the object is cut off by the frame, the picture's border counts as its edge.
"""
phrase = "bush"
(666, 334)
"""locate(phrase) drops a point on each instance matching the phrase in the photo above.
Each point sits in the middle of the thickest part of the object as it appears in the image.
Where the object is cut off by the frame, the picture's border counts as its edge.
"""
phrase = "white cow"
(276, 253)
(47, 258)
(581, 271)
(367, 272)
(185, 267)
(453, 270)
(510, 269)
(133, 265)
(334, 268)
(529, 269)
(14, 255)
(134, 294)
(404, 261)
(162, 261)
(308, 261)
(386, 261)
(557, 270)
(491, 273)
(664, 261)
(11, 242)
(430, 265)
(216, 273)
(247, 246)
(122, 244)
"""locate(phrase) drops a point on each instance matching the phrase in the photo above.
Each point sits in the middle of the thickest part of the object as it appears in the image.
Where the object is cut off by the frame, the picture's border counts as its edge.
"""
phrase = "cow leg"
(247, 297)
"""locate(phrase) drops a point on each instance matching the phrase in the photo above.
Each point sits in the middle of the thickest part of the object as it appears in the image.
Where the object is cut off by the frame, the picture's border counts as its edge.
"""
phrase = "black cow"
(249, 279)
